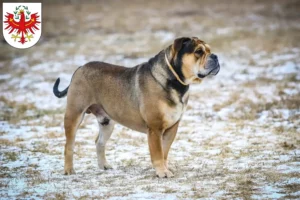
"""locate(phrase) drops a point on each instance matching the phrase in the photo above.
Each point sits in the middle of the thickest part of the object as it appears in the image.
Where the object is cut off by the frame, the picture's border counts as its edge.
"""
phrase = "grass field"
(239, 138)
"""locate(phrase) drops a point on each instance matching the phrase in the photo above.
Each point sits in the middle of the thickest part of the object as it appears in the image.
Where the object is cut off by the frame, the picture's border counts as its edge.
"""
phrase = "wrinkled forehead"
(200, 44)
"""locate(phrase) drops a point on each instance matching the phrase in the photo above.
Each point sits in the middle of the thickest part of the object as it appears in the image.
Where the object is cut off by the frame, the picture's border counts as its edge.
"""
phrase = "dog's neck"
(163, 75)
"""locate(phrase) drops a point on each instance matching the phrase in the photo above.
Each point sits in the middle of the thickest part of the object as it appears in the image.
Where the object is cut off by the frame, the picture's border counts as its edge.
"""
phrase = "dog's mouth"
(201, 76)
(212, 67)
(213, 72)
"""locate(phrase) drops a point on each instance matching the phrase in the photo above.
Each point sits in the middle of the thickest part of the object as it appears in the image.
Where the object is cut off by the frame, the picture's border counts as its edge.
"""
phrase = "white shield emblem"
(22, 24)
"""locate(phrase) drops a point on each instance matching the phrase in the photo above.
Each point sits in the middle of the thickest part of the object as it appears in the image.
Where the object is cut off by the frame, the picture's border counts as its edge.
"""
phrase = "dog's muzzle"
(212, 67)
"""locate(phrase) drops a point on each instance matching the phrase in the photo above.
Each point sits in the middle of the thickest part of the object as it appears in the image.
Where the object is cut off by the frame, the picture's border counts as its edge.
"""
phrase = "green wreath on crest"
(18, 8)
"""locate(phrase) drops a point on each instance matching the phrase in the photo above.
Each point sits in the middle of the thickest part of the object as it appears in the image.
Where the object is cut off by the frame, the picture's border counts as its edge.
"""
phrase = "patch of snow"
(223, 31)
(20, 62)
(225, 112)
(5, 76)
(269, 192)
(165, 36)
(288, 68)
(275, 58)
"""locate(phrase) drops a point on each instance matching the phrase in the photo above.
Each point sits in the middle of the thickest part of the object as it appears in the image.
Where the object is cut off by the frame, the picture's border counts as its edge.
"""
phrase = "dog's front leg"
(168, 138)
(156, 152)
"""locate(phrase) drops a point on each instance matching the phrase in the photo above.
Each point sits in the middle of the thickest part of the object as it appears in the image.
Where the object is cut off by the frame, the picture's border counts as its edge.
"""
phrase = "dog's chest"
(173, 113)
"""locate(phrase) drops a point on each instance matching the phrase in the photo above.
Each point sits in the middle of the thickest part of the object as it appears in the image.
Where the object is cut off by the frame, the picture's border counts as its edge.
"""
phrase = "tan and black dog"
(148, 98)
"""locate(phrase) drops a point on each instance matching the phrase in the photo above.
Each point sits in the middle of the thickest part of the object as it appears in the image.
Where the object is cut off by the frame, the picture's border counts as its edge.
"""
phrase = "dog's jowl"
(149, 98)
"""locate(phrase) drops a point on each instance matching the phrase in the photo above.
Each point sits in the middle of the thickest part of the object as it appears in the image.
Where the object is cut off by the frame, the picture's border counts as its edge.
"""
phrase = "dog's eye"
(199, 52)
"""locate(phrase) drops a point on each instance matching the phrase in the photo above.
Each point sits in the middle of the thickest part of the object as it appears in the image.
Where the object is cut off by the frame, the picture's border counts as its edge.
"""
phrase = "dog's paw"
(69, 171)
(164, 174)
(105, 166)
(172, 169)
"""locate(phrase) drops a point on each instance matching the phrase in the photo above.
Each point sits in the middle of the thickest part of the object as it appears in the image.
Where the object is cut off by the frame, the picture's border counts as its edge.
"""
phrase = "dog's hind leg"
(72, 121)
(106, 127)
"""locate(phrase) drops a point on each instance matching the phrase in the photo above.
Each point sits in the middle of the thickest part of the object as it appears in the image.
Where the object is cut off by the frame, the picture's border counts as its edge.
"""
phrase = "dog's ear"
(178, 43)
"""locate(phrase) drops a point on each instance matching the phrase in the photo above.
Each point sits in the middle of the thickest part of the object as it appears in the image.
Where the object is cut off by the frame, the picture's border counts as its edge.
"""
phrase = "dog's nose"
(213, 56)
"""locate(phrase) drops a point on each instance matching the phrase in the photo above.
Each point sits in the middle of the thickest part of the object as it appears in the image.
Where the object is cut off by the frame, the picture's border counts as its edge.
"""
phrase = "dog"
(150, 98)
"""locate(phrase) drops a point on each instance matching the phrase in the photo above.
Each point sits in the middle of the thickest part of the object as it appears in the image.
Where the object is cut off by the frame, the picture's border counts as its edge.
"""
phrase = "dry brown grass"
(11, 156)
(14, 112)
(234, 97)
(6, 142)
(110, 18)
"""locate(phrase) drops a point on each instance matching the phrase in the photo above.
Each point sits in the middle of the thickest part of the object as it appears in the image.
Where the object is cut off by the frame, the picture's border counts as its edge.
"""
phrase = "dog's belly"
(128, 118)
(134, 125)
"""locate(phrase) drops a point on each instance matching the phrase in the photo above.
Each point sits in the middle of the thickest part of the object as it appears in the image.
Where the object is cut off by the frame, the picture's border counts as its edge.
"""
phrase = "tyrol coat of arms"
(22, 24)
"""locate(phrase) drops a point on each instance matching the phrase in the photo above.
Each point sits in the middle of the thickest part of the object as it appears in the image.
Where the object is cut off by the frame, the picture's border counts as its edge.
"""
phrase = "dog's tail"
(58, 93)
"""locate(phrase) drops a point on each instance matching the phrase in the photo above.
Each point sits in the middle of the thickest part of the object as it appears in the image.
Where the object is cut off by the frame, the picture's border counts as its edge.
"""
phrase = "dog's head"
(193, 60)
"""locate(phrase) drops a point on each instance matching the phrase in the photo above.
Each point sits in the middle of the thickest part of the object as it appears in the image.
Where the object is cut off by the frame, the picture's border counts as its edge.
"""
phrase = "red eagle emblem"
(23, 26)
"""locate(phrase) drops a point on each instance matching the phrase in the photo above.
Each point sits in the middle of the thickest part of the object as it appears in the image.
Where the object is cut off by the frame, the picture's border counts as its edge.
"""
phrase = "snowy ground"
(240, 136)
